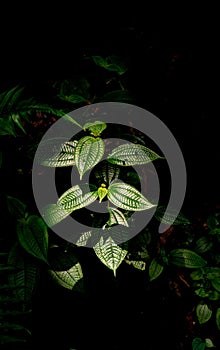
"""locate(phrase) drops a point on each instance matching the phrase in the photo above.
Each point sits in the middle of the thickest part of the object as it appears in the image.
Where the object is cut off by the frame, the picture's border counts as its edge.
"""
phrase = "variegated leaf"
(132, 154)
(82, 241)
(89, 152)
(68, 278)
(74, 199)
(127, 197)
(66, 156)
(116, 217)
(109, 253)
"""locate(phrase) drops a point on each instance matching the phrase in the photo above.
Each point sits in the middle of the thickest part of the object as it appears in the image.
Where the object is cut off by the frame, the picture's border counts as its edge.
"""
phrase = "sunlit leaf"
(186, 258)
(127, 197)
(66, 156)
(74, 199)
(109, 253)
(138, 264)
(82, 241)
(33, 236)
(89, 151)
(132, 154)
(155, 269)
(69, 278)
(203, 312)
(116, 217)
(95, 128)
(209, 343)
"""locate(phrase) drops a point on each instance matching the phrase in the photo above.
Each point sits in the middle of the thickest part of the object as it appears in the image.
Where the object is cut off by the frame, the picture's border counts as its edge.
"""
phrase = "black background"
(173, 65)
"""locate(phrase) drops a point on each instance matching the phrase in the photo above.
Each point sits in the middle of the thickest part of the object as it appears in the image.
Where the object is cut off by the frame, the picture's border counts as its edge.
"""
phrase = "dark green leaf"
(118, 96)
(186, 258)
(172, 217)
(203, 312)
(74, 98)
(198, 344)
(202, 245)
(17, 119)
(155, 269)
(24, 280)
(33, 236)
(217, 318)
(16, 207)
(7, 126)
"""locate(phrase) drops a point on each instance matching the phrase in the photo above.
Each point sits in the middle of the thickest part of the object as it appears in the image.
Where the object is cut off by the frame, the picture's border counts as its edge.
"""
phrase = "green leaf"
(198, 344)
(88, 153)
(155, 269)
(172, 216)
(212, 272)
(106, 172)
(116, 217)
(65, 268)
(102, 192)
(66, 156)
(118, 96)
(33, 236)
(82, 241)
(71, 120)
(95, 128)
(217, 318)
(74, 199)
(16, 207)
(186, 258)
(132, 154)
(127, 197)
(7, 126)
(7, 339)
(69, 278)
(73, 98)
(203, 312)
(9, 98)
(109, 253)
(112, 63)
(24, 280)
(216, 283)
(202, 245)
(197, 275)
(17, 119)
(209, 343)
(138, 264)
(53, 214)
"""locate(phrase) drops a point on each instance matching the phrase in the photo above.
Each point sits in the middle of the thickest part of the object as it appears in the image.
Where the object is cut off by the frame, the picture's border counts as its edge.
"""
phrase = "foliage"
(184, 252)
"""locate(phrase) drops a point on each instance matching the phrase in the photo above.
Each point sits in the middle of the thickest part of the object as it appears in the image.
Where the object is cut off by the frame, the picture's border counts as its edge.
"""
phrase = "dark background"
(173, 73)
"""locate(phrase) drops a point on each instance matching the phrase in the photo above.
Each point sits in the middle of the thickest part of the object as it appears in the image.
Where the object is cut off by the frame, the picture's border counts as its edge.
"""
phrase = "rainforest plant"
(33, 247)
